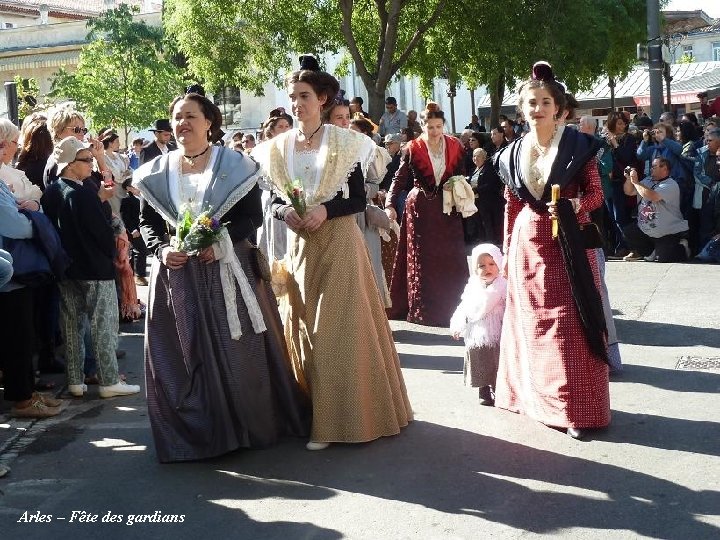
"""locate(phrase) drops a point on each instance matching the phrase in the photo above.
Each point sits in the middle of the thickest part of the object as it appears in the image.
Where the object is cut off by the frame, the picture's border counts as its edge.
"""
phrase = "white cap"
(66, 151)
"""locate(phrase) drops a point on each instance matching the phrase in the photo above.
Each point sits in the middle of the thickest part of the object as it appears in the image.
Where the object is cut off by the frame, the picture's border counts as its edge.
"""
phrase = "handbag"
(592, 238)
(31, 266)
(376, 217)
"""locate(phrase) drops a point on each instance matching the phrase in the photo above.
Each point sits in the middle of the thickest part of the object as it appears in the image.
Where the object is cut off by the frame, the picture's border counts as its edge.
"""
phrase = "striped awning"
(25, 62)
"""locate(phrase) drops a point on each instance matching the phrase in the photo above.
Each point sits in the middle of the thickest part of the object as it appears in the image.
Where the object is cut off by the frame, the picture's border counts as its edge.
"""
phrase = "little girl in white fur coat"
(478, 320)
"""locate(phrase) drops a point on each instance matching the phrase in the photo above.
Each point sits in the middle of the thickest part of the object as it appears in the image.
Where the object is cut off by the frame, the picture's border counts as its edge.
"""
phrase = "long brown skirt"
(339, 338)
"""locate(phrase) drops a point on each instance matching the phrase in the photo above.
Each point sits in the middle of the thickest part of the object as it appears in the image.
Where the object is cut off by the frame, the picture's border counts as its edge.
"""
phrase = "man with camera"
(708, 109)
(660, 233)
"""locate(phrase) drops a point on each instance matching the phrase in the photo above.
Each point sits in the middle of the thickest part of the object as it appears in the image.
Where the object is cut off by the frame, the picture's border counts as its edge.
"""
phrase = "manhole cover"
(698, 363)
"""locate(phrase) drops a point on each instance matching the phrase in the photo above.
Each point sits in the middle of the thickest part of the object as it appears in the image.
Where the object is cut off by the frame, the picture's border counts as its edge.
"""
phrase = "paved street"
(459, 471)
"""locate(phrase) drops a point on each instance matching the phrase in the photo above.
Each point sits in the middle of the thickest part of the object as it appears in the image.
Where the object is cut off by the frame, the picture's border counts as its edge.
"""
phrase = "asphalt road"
(459, 471)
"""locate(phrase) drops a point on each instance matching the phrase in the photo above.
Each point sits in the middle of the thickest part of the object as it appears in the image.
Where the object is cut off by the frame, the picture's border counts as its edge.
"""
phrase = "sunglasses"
(78, 130)
(86, 160)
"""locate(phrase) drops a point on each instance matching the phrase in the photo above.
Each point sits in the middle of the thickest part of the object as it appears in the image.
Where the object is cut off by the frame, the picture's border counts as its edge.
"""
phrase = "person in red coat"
(707, 108)
(430, 268)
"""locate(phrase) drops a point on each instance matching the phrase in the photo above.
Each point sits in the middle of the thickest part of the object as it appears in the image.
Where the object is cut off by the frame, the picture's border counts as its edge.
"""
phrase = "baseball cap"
(66, 151)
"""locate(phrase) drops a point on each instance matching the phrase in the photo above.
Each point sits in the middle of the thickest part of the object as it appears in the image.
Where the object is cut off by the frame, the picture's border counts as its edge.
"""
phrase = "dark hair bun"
(432, 107)
(309, 62)
(195, 89)
(542, 71)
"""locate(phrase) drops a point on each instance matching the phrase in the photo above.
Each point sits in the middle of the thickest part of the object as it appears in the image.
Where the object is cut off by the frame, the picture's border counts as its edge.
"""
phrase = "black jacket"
(152, 150)
(85, 231)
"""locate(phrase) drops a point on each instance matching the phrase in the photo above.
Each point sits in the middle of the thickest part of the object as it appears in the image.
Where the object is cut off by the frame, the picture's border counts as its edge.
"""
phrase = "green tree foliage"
(122, 78)
(246, 43)
(582, 39)
(28, 91)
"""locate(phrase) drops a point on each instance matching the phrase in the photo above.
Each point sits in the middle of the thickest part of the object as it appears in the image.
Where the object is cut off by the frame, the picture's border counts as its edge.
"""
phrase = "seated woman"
(217, 371)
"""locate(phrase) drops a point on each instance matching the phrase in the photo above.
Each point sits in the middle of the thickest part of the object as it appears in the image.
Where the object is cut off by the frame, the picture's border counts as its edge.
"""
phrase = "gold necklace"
(191, 159)
(436, 153)
(542, 150)
(308, 140)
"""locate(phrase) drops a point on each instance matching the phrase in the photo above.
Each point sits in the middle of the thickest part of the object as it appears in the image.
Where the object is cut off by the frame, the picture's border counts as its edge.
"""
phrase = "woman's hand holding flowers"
(174, 260)
(314, 218)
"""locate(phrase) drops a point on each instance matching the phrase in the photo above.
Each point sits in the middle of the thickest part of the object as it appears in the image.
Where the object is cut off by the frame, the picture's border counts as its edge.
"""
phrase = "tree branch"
(416, 37)
(389, 37)
(383, 14)
(346, 7)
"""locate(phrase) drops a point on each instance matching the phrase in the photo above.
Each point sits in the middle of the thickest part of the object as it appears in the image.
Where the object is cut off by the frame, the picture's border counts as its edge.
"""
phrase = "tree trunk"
(376, 102)
(497, 94)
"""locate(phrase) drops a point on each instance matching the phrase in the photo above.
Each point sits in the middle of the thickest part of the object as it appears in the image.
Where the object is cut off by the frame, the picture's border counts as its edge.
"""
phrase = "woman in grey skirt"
(217, 370)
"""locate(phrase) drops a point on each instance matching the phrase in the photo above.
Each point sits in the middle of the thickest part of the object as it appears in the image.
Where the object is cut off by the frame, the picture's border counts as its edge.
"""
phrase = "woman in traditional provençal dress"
(216, 367)
(430, 268)
(553, 347)
(339, 338)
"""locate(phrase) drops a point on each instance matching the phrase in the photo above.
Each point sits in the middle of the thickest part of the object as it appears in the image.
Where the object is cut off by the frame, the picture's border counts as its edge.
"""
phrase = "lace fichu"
(341, 151)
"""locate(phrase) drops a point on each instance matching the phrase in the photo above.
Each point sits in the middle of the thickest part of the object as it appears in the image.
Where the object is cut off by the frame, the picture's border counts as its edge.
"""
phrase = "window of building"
(687, 50)
(716, 51)
(6, 25)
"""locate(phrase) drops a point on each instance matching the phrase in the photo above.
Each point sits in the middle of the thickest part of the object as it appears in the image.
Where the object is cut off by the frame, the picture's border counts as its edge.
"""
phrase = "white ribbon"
(230, 267)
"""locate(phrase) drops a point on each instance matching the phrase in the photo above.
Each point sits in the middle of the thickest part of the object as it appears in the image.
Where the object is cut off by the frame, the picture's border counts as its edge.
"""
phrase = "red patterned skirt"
(547, 370)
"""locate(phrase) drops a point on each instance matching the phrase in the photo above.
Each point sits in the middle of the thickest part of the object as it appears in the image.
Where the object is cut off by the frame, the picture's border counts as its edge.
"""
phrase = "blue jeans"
(711, 252)
(618, 213)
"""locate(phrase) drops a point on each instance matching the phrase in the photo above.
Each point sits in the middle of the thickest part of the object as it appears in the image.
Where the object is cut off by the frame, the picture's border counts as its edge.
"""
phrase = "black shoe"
(576, 433)
(487, 396)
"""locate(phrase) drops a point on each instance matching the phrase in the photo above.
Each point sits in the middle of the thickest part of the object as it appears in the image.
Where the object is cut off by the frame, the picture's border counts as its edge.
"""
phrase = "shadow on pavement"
(504, 482)
(447, 364)
(676, 380)
(665, 334)
(695, 436)
(421, 338)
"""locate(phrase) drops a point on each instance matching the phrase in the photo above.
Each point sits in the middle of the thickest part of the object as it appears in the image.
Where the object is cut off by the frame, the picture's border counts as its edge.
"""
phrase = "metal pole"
(611, 84)
(655, 62)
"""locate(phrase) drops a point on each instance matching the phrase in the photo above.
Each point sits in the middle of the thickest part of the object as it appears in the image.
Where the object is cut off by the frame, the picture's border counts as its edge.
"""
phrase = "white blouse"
(188, 190)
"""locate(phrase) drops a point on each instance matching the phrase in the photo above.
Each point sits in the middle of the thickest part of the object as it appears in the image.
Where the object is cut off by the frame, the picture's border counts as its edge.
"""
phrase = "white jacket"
(478, 318)
(22, 188)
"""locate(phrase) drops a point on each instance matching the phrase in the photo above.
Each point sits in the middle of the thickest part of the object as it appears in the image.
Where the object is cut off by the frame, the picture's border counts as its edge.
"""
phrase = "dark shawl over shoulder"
(574, 151)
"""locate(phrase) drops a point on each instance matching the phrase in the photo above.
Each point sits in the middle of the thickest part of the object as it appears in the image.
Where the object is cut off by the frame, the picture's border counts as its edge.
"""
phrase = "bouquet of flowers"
(195, 234)
(296, 194)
